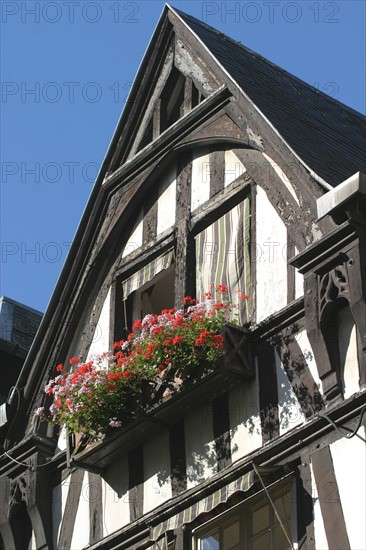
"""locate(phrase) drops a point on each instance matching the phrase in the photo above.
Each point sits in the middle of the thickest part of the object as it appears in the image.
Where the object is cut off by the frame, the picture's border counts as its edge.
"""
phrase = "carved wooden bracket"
(334, 277)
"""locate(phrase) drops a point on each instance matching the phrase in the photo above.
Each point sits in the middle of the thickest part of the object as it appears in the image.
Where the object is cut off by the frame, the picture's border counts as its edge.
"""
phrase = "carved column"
(334, 270)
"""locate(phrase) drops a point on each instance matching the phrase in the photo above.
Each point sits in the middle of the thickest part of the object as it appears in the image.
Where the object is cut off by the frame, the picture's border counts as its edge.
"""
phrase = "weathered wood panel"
(178, 463)
(136, 482)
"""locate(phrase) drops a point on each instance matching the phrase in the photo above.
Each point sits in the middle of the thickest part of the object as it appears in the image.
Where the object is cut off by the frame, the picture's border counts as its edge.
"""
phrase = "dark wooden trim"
(150, 216)
(178, 466)
(293, 217)
(221, 430)
(329, 500)
(112, 313)
(290, 268)
(221, 204)
(146, 254)
(290, 316)
(253, 254)
(187, 103)
(118, 312)
(185, 249)
(169, 139)
(217, 171)
(71, 508)
(95, 495)
(183, 538)
(156, 119)
(299, 374)
(136, 482)
(304, 506)
(268, 393)
(184, 185)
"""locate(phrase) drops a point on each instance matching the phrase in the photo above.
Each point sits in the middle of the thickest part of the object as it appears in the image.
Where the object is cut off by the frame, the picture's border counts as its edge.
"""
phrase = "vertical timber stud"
(290, 269)
(304, 501)
(217, 171)
(95, 496)
(221, 430)
(187, 102)
(330, 504)
(178, 465)
(185, 251)
(71, 508)
(136, 482)
(150, 216)
(268, 393)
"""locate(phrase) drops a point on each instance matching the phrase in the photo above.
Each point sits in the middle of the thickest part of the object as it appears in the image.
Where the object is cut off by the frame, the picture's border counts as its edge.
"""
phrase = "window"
(155, 295)
(252, 525)
(223, 255)
(148, 290)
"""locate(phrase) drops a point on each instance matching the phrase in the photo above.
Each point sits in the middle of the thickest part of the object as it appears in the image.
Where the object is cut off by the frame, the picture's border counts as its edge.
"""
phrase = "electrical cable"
(273, 506)
(346, 435)
(28, 466)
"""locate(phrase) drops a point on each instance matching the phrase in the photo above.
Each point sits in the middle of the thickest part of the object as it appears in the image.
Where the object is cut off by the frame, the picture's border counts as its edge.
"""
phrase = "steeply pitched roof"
(326, 134)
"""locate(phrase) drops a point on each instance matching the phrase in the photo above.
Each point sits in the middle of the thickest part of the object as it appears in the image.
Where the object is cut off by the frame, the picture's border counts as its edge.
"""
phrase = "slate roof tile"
(328, 136)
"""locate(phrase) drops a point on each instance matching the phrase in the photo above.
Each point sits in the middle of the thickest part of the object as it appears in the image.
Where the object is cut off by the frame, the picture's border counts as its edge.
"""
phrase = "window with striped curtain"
(223, 255)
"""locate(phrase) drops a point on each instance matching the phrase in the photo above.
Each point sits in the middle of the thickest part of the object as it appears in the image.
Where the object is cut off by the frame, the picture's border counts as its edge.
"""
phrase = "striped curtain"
(223, 254)
(145, 274)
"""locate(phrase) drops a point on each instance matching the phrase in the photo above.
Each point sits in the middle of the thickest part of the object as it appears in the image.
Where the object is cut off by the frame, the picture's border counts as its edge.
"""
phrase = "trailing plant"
(168, 349)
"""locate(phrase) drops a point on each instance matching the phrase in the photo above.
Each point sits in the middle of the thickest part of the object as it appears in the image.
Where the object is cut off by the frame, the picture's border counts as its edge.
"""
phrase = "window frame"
(243, 512)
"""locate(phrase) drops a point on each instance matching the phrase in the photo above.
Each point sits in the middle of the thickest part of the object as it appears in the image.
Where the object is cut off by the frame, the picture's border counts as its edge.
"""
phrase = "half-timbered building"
(223, 168)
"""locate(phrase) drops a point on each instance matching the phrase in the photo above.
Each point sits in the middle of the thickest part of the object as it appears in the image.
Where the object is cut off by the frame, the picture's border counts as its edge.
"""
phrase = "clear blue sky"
(66, 69)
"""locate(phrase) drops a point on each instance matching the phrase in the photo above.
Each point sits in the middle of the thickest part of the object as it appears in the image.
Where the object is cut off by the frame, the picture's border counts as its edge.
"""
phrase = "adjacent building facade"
(224, 168)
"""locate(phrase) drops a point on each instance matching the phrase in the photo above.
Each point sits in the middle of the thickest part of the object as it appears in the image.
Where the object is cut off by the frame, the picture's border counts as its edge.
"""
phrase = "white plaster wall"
(200, 189)
(200, 448)
(307, 351)
(100, 341)
(321, 542)
(116, 498)
(157, 488)
(80, 537)
(349, 460)
(271, 264)
(289, 410)
(245, 426)
(135, 239)
(166, 200)
(233, 167)
(347, 336)
(62, 440)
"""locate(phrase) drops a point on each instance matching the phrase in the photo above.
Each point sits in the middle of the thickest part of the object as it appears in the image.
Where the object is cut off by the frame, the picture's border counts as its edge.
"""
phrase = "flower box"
(165, 410)
(166, 363)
